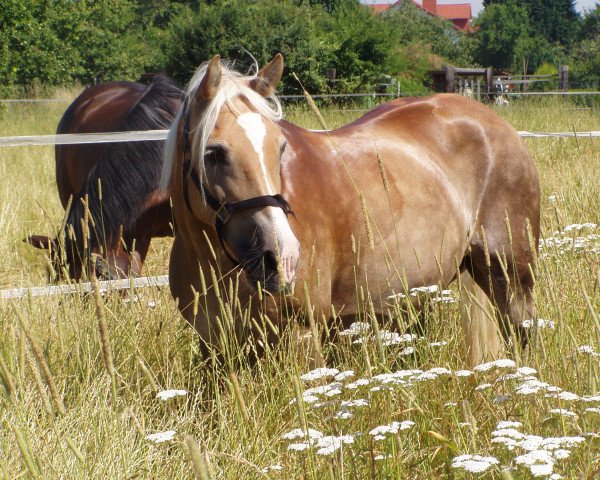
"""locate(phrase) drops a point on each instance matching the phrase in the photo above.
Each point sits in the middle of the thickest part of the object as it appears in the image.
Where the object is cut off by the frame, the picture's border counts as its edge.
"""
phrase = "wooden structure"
(452, 79)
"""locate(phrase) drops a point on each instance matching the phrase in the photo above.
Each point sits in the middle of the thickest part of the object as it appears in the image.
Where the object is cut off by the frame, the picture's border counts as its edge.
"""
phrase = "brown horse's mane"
(129, 171)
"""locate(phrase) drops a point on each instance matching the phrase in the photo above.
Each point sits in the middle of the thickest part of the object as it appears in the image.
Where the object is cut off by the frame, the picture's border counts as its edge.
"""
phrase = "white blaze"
(255, 130)
(253, 125)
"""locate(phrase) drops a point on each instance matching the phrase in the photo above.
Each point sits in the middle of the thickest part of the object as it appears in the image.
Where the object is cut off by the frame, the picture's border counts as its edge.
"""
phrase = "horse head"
(68, 261)
(232, 148)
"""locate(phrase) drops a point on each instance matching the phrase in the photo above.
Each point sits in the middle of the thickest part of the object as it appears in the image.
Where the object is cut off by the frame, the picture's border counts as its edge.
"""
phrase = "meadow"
(114, 388)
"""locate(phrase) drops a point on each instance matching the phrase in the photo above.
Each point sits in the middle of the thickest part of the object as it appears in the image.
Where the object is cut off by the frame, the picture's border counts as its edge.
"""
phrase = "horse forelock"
(233, 86)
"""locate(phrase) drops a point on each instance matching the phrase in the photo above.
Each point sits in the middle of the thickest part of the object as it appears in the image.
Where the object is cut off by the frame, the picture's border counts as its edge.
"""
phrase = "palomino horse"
(127, 210)
(416, 192)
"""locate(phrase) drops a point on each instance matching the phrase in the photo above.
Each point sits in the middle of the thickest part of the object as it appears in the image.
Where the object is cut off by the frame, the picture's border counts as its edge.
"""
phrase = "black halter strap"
(223, 210)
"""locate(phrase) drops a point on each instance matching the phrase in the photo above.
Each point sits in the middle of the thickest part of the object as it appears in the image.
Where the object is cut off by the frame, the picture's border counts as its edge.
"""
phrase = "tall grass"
(68, 409)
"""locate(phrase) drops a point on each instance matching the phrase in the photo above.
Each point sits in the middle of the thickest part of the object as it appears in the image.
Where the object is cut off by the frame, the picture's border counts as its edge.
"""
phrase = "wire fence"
(158, 135)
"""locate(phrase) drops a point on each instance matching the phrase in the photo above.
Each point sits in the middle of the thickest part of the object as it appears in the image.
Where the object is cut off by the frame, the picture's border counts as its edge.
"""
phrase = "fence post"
(489, 82)
(563, 78)
(450, 84)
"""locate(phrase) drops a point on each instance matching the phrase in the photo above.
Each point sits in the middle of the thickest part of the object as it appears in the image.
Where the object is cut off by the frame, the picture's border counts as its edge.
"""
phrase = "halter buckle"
(223, 213)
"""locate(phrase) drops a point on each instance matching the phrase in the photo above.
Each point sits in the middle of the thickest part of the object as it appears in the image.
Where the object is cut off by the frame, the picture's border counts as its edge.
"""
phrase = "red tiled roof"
(455, 11)
(379, 7)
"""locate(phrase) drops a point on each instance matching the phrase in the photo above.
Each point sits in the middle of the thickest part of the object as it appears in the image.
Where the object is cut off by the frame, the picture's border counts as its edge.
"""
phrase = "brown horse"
(127, 210)
(417, 192)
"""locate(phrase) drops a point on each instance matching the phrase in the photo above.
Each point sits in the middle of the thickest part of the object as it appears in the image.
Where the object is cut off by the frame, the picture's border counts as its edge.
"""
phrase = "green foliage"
(63, 41)
(237, 30)
(555, 20)
(503, 31)
(506, 39)
(586, 64)
(590, 24)
(546, 69)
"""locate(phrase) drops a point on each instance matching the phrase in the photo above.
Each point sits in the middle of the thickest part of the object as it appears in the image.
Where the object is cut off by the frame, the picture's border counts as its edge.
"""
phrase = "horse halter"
(223, 210)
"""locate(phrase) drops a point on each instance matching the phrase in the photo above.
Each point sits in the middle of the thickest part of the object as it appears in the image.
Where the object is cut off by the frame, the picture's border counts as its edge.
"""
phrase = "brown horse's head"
(232, 147)
(67, 260)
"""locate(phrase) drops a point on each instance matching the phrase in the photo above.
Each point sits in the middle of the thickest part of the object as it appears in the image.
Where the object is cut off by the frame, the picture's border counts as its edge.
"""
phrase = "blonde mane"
(233, 85)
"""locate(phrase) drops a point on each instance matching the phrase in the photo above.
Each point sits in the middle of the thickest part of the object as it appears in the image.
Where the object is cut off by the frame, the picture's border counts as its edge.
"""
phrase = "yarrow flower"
(311, 434)
(273, 468)
(319, 373)
(356, 328)
(474, 463)
(541, 323)
(378, 433)
(503, 363)
(161, 437)
(167, 394)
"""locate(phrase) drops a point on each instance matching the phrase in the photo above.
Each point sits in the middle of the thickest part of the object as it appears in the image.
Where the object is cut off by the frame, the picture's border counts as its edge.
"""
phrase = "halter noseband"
(223, 210)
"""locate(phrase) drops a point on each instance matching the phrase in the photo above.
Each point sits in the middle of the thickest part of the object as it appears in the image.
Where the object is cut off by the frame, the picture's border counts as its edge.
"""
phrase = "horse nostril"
(270, 260)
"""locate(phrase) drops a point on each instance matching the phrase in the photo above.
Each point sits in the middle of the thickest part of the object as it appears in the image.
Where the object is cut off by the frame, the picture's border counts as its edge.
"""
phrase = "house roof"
(455, 11)
(379, 7)
(459, 13)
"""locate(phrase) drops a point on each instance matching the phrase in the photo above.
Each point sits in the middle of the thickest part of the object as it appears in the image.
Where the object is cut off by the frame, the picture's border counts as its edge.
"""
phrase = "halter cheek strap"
(223, 210)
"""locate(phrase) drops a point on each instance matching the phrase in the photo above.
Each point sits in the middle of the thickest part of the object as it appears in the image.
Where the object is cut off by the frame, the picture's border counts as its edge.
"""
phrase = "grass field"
(68, 409)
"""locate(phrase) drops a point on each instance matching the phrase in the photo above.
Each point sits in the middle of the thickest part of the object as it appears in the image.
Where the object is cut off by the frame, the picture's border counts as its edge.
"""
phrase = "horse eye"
(282, 147)
(215, 154)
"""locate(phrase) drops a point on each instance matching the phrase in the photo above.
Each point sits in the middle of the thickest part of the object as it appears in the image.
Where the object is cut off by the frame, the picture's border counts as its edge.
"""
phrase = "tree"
(555, 20)
(502, 35)
(239, 29)
(590, 24)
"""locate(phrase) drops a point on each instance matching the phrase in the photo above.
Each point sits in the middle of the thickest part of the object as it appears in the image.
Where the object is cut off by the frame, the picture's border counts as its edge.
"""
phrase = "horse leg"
(482, 338)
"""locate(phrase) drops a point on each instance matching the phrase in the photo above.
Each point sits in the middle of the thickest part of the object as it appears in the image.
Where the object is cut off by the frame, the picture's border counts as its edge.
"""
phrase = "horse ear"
(40, 241)
(268, 77)
(212, 79)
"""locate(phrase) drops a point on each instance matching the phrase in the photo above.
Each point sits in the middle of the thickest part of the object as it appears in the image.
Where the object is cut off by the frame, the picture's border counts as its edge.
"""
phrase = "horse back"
(99, 108)
(426, 173)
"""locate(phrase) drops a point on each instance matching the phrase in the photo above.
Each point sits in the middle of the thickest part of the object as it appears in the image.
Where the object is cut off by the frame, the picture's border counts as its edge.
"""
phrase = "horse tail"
(481, 332)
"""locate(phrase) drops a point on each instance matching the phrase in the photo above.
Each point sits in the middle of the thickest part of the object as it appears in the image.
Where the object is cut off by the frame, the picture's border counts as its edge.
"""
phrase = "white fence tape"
(138, 136)
(82, 138)
(594, 134)
(156, 135)
(105, 285)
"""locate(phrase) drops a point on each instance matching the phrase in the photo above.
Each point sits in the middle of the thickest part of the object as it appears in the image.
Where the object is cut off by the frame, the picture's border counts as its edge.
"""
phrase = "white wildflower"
(508, 432)
(563, 412)
(406, 351)
(161, 437)
(273, 468)
(329, 444)
(463, 373)
(565, 396)
(541, 323)
(589, 350)
(167, 394)
(483, 386)
(500, 364)
(311, 434)
(343, 415)
(474, 463)
(392, 428)
(501, 398)
(298, 447)
(508, 424)
(361, 382)
(319, 373)
(344, 375)
(357, 328)
(359, 402)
